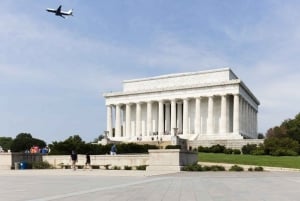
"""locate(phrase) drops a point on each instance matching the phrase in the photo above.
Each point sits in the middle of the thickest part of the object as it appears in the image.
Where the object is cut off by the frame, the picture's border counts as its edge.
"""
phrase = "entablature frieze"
(168, 101)
(170, 89)
(178, 95)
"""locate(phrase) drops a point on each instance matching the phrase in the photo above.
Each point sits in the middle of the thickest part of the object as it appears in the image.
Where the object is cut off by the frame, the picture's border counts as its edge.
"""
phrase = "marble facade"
(205, 105)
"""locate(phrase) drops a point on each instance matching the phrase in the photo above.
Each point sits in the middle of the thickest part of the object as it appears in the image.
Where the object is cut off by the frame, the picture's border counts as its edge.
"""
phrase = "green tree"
(24, 141)
(65, 147)
(99, 138)
(292, 127)
(281, 146)
(277, 131)
(5, 143)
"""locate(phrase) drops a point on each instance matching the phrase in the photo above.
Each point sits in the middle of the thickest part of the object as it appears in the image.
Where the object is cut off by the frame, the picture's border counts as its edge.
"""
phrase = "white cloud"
(172, 55)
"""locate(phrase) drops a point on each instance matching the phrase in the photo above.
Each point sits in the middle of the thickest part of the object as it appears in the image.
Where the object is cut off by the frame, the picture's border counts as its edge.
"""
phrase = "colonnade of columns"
(210, 115)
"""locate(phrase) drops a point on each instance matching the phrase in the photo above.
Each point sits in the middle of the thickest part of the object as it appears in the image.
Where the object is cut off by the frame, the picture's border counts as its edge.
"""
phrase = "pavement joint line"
(66, 195)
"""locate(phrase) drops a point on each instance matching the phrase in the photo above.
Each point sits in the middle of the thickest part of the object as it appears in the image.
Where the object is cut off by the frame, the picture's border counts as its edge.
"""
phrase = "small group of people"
(37, 149)
(74, 158)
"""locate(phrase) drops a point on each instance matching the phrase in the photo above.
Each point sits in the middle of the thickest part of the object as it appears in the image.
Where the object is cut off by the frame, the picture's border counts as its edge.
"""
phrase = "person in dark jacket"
(74, 159)
(88, 161)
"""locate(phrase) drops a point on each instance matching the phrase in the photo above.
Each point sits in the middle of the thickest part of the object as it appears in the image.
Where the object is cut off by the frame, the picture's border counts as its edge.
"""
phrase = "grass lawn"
(272, 161)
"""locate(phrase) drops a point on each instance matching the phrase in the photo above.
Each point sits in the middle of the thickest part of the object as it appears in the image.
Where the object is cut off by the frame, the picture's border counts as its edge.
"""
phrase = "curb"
(266, 168)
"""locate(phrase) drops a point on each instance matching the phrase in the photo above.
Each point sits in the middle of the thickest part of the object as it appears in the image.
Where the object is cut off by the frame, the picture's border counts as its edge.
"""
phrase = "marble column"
(149, 118)
(243, 115)
(179, 117)
(255, 122)
(210, 115)
(128, 120)
(198, 116)
(160, 117)
(236, 114)
(109, 120)
(138, 120)
(173, 116)
(247, 123)
(185, 116)
(223, 119)
(251, 122)
(168, 117)
(118, 121)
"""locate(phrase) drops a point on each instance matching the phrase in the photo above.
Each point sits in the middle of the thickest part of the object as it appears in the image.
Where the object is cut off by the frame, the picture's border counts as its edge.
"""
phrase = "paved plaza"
(121, 185)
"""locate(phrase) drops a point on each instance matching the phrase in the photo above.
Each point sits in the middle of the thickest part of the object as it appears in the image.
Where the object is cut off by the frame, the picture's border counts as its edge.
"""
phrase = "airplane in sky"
(59, 12)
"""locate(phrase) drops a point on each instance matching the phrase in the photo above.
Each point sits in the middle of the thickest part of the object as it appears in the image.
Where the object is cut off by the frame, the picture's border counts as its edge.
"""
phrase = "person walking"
(88, 161)
(74, 159)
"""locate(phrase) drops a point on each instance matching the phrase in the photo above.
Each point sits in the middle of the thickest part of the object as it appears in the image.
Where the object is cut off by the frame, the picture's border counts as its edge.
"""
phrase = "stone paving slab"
(120, 185)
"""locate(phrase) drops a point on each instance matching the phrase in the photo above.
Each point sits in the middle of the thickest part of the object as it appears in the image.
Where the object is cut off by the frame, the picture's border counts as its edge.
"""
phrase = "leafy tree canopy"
(289, 128)
(24, 141)
(65, 147)
(5, 142)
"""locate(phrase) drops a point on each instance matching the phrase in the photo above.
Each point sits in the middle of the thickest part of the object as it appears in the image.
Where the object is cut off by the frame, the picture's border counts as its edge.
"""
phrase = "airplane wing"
(51, 10)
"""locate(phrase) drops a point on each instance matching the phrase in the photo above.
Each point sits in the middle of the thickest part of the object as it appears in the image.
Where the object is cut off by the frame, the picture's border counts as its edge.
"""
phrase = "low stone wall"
(132, 160)
(233, 144)
(170, 159)
(158, 160)
(8, 160)
(5, 161)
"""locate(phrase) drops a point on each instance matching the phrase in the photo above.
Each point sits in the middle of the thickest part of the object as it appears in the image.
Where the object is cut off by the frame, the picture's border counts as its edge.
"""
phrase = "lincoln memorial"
(205, 105)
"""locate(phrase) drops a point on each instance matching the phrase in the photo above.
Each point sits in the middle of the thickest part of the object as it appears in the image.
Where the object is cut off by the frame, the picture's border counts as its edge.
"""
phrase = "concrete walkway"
(121, 185)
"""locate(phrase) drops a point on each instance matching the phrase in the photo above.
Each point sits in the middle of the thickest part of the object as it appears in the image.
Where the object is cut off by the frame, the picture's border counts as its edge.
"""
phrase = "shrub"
(217, 168)
(258, 151)
(173, 147)
(213, 149)
(193, 167)
(40, 165)
(259, 169)
(228, 151)
(236, 168)
(217, 148)
(250, 169)
(58, 148)
(116, 167)
(283, 152)
(126, 167)
(249, 148)
(197, 167)
(206, 168)
(141, 167)
(236, 151)
(203, 149)
(107, 166)
(281, 146)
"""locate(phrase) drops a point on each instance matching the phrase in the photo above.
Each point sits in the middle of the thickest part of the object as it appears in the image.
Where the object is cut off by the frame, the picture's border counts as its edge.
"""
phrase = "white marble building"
(206, 105)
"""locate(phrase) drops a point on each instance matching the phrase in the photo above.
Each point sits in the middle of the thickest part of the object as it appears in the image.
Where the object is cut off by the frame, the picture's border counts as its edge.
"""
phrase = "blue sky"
(53, 71)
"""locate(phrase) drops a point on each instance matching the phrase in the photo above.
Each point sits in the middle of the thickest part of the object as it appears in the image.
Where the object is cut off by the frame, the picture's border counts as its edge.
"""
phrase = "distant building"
(205, 105)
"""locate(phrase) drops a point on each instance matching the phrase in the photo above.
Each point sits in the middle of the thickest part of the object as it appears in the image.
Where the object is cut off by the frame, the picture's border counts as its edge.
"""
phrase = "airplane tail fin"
(70, 12)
